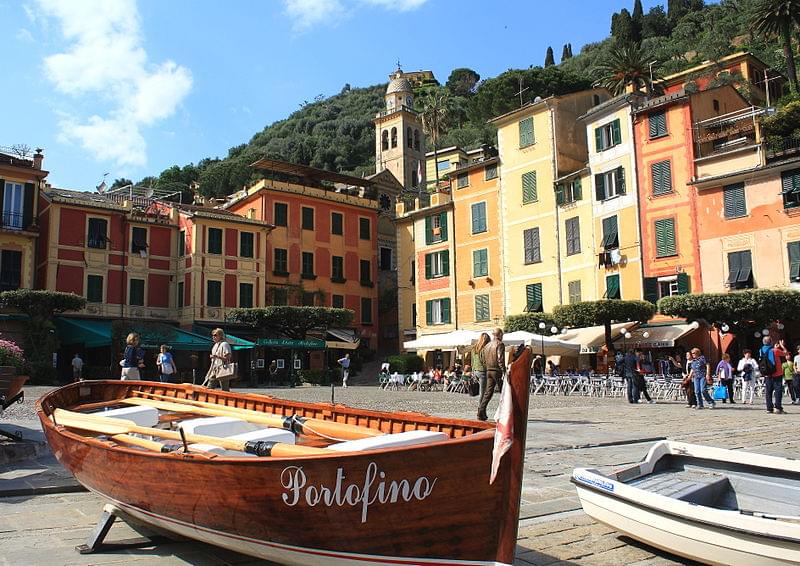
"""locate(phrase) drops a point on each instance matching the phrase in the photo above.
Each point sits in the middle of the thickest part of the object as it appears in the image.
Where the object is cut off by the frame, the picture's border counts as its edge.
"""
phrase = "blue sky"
(130, 88)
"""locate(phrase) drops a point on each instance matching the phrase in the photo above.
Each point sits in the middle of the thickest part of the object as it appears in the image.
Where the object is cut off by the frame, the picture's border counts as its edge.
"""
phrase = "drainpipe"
(554, 163)
(639, 218)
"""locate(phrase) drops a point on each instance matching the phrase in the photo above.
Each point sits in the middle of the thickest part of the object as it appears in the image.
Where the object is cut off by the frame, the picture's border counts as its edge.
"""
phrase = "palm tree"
(779, 18)
(625, 65)
(435, 114)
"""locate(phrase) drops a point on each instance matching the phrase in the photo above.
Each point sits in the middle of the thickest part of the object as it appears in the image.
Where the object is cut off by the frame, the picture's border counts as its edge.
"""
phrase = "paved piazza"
(563, 432)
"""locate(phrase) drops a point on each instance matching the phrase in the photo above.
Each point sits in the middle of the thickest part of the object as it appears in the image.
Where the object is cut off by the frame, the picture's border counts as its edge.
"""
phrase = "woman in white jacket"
(748, 369)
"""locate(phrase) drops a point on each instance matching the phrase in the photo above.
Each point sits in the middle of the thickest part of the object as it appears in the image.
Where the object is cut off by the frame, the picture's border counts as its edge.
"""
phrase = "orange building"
(478, 243)
(665, 160)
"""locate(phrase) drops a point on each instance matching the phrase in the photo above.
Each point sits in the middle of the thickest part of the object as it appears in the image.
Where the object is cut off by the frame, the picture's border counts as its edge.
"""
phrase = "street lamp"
(542, 326)
(626, 337)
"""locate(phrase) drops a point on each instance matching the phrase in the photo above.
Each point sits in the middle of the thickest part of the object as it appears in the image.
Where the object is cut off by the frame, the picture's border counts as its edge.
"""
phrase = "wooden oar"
(142, 443)
(299, 425)
(113, 426)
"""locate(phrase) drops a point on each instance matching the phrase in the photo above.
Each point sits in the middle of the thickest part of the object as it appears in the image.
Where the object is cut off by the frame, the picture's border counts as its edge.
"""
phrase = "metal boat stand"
(107, 517)
(5, 404)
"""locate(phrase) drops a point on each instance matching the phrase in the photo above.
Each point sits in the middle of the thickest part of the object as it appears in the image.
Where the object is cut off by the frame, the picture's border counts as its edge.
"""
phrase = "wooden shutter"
(598, 139)
(445, 305)
(27, 205)
(429, 312)
(791, 181)
(570, 230)
(443, 226)
(794, 261)
(577, 191)
(733, 200)
(651, 289)
(428, 230)
(620, 181)
(683, 284)
(600, 186)
(746, 271)
(531, 245)
(616, 135)
(658, 124)
(529, 193)
(612, 287)
(665, 237)
(526, 136)
(3, 221)
(610, 236)
(560, 197)
(734, 267)
(428, 265)
(662, 177)
(445, 263)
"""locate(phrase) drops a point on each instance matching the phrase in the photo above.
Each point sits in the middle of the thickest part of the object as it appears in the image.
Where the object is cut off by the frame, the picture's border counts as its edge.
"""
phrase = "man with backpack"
(770, 365)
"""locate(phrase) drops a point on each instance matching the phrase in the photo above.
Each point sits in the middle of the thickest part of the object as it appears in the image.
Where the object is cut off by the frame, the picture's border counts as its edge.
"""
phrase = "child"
(788, 376)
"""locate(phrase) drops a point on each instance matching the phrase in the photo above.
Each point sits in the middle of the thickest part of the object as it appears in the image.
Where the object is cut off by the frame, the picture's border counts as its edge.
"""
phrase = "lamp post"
(542, 326)
(625, 338)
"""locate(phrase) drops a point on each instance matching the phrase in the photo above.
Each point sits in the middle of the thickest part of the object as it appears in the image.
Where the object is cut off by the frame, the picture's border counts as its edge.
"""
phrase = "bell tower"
(399, 139)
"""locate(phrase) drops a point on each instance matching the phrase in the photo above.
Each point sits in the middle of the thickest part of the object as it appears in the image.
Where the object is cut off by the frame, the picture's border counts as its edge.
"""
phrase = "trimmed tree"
(529, 322)
(591, 313)
(40, 337)
(751, 307)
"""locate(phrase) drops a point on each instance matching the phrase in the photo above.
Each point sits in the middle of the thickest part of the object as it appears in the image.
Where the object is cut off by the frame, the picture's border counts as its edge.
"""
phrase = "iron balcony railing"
(12, 220)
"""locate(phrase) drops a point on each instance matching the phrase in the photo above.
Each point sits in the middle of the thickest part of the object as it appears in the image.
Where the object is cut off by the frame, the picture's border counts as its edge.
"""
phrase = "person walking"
(478, 365)
(770, 364)
(748, 369)
(724, 373)
(77, 368)
(629, 365)
(345, 363)
(699, 376)
(220, 356)
(132, 359)
(166, 365)
(641, 382)
(688, 385)
(494, 358)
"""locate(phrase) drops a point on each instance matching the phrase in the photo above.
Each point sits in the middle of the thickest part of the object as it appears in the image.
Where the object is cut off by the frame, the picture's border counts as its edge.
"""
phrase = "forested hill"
(337, 133)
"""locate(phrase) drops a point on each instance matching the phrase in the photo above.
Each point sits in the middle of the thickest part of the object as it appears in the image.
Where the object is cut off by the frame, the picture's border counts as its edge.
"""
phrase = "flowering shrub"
(11, 355)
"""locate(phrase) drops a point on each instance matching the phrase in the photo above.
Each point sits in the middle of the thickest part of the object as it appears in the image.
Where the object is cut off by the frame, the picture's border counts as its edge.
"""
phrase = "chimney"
(38, 158)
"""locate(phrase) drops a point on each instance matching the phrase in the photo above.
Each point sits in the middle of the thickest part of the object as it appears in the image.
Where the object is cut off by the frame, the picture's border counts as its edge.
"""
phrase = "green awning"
(309, 344)
(98, 333)
(90, 333)
(235, 342)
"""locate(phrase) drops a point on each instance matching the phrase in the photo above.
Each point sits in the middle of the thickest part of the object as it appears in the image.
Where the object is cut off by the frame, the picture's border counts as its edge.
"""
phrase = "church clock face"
(385, 202)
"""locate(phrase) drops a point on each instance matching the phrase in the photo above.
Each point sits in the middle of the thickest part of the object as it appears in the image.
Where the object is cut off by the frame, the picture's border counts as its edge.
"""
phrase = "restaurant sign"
(309, 344)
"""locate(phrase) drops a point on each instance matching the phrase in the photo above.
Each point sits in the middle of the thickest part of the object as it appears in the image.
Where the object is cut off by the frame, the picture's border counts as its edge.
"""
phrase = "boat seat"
(218, 426)
(268, 434)
(142, 416)
(408, 438)
(703, 493)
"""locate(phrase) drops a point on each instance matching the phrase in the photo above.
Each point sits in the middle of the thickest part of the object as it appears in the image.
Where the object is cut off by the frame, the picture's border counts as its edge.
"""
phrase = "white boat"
(708, 504)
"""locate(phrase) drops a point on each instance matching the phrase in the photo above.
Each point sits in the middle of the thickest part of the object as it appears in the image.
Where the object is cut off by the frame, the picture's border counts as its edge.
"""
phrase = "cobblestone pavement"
(563, 432)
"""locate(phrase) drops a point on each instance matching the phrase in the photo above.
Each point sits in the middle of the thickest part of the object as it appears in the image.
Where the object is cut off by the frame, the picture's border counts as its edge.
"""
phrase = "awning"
(445, 340)
(552, 345)
(658, 336)
(97, 333)
(90, 333)
(345, 339)
(235, 342)
(592, 338)
(336, 345)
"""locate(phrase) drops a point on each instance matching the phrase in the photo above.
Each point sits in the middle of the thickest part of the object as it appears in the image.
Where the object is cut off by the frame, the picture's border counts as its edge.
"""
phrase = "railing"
(388, 111)
(12, 220)
(780, 145)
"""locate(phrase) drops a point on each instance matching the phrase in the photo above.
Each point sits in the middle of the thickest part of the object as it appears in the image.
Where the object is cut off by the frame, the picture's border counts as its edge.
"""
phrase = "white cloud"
(397, 5)
(311, 13)
(24, 35)
(104, 60)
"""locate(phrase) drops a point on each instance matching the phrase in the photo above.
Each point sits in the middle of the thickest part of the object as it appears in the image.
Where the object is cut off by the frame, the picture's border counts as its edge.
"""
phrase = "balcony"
(12, 220)
(728, 143)
(780, 148)
(390, 111)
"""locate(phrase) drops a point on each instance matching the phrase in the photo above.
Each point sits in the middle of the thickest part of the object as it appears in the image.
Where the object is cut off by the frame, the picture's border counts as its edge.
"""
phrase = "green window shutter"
(532, 245)
(734, 267)
(526, 136)
(478, 217)
(428, 265)
(560, 197)
(445, 311)
(662, 177)
(445, 263)
(429, 312)
(443, 225)
(482, 307)
(658, 124)
(620, 181)
(615, 132)
(577, 191)
(610, 233)
(665, 237)
(794, 261)
(27, 205)
(598, 139)
(480, 263)
(683, 284)
(533, 296)
(651, 289)
(529, 193)
(733, 201)
(428, 230)
(600, 186)
(612, 287)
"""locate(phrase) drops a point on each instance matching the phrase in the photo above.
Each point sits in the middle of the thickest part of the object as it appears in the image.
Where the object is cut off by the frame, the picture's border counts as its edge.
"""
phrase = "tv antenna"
(521, 90)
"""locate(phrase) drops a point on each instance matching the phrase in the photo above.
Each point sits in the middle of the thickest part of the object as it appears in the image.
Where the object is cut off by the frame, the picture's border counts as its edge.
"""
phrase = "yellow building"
(20, 182)
(448, 159)
(477, 238)
(612, 189)
(539, 144)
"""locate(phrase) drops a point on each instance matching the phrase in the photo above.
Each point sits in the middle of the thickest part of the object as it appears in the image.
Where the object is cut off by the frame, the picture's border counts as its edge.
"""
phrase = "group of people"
(488, 362)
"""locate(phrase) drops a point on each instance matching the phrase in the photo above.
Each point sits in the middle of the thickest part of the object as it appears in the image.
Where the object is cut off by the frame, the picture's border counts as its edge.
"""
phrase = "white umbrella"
(446, 340)
(552, 346)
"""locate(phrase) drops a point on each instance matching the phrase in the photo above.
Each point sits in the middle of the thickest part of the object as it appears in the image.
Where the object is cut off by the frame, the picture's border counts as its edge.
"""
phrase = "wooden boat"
(428, 503)
(708, 504)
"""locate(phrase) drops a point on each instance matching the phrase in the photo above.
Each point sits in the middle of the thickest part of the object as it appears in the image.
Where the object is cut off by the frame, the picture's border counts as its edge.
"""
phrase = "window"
(610, 233)
(462, 180)
(365, 272)
(437, 311)
(337, 223)
(790, 181)
(490, 172)
(179, 298)
(610, 184)
(213, 293)
(280, 296)
(414, 178)
(567, 193)
(246, 240)
(607, 136)
(337, 269)
(436, 228)
(307, 298)
(443, 165)
(480, 263)
(533, 298)
(662, 177)
(337, 301)
(182, 243)
(94, 289)
(478, 217)
(308, 218)
(526, 136)
(612, 287)
(413, 278)
(281, 214)
(573, 230)
(530, 240)
(13, 207)
(307, 269)
(529, 194)
(574, 289)
(246, 295)
(409, 138)
(414, 314)
(136, 294)
(385, 259)
(215, 240)
(416, 140)
(11, 270)
(366, 310)
(138, 240)
(97, 236)
(733, 199)
(794, 261)
(364, 229)
(740, 270)
(281, 263)
(665, 237)
(482, 308)
(437, 264)
(656, 288)
(385, 140)
(394, 137)
(658, 124)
